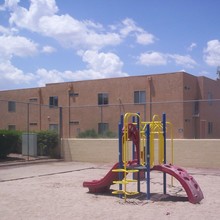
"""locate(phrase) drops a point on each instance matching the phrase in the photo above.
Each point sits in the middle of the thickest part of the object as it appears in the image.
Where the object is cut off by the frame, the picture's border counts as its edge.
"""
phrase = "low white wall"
(187, 152)
(90, 150)
(197, 153)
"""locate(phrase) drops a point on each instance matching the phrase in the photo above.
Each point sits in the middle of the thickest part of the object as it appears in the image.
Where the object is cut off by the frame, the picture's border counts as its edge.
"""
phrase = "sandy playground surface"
(54, 191)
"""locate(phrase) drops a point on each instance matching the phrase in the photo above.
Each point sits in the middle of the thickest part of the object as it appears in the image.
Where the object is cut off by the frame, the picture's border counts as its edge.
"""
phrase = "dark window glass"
(210, 127)
(210, 98)
(73, 94)
(53, 101)
(12, 127)
(103, 99)
(103, 128)
(11, 106)
(139, 97)
(54, 127)
(196, 108)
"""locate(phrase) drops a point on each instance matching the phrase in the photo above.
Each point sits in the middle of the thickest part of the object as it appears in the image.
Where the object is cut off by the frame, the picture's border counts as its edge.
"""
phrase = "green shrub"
(10, 141)
(93, 134)
(17, 147)
(108, 134)
(88, 134)
(47, 142)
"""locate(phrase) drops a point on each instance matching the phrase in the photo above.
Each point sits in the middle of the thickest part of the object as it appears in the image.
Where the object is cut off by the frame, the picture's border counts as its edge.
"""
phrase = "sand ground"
(54, 191)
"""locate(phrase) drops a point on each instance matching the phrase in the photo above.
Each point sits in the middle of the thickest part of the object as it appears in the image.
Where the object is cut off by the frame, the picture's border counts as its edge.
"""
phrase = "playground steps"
(124, 182)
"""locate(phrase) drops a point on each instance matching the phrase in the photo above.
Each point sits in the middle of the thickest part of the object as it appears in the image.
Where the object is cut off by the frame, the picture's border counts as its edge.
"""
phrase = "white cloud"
(212, 53)
(107, 64)
(4, 30)
(48, 49)
(44, 76)
(73, 33)
(25, 18)
(10, 75)
(8, 4)
(16, 46)
(129, 27)
(41, 17)
(86, 74)
(158, 59)
(145, 38)
(8, 31)
(99, 65)
(97, 26)
(152, 59)
(192, 46)
(204, 73)
(11, 3)
(181, 60)
(60, 25)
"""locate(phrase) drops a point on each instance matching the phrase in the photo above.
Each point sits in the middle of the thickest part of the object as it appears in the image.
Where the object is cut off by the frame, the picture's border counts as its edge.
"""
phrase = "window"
(73, 94)
(53, 127)
(139, 97)
(210, 127)
(196, 108)
(74, 122)
(210, 98)
(33, 124)
(103, 128)
(11, 106)
(12, 127)
(53, 101)
(103, 99)
(33, 99)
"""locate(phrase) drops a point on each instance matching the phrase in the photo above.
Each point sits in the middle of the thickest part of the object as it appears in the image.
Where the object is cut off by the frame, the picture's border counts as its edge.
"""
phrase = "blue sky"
(47, 41)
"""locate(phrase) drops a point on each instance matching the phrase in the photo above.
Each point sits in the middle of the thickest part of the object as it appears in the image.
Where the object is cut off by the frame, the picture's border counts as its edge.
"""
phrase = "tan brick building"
(190, 102)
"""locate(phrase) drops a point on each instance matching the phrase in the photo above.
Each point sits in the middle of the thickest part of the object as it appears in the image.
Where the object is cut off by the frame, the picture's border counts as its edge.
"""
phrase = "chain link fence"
(192, 119)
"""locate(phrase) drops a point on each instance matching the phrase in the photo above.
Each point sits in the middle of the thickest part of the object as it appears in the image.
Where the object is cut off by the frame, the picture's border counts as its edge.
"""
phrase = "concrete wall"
(187, 153)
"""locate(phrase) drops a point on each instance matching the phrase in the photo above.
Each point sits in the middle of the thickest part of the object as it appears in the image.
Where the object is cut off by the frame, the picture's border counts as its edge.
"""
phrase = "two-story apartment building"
(190, 103)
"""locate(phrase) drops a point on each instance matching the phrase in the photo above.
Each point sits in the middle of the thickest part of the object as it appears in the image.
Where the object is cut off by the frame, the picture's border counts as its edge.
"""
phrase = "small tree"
(9, 142)
(47, 142)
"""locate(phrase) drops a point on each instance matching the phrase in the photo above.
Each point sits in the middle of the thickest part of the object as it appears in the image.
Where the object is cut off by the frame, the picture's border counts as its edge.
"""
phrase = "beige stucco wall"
(187, 153)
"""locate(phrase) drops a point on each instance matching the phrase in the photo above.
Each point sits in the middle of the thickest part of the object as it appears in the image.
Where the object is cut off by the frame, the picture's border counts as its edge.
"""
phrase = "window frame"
(54, 127)
(53, 101)
(210, 128)
(103, 98)
(103, 127)
(33, 99)
(12, 127)
(11, 106)
(210, 98)
(138, 97)
(196, 108)
(73, 94)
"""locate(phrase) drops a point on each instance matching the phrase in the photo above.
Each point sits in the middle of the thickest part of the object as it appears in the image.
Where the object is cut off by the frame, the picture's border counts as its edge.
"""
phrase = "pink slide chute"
(102, 185)
(190, 185)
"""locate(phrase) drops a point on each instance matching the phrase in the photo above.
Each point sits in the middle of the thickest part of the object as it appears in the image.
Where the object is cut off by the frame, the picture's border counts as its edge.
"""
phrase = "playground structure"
(139, 159)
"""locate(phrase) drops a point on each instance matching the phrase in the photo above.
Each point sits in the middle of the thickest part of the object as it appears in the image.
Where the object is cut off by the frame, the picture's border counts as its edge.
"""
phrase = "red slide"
(102, 185)
(190, 185)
